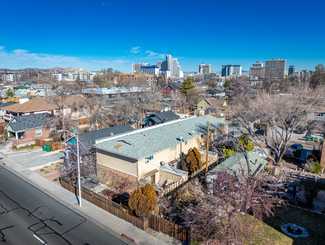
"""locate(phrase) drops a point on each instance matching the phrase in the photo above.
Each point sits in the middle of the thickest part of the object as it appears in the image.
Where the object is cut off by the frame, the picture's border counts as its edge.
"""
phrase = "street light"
(78, 161)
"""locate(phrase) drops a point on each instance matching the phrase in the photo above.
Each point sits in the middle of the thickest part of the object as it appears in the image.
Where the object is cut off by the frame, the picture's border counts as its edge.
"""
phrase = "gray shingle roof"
(163, 116)
(90, 137)
(141, 143)
(22, 123)
(237, 162)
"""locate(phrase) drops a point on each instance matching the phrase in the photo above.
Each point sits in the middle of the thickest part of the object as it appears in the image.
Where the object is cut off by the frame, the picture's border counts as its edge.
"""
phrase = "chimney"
(112, 133)
(96, 126)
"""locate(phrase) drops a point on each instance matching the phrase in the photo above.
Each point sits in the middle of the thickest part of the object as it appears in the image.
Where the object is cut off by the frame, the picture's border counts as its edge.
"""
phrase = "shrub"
(317, 168)
(143, 200)
(193, 160)
(228, 152)
(313, 167)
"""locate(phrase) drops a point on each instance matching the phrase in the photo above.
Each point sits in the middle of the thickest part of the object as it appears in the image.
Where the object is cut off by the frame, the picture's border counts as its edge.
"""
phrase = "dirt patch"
(50, 172)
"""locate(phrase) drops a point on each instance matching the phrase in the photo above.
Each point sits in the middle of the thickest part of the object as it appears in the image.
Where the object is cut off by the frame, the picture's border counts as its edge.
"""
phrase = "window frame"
(38, 130)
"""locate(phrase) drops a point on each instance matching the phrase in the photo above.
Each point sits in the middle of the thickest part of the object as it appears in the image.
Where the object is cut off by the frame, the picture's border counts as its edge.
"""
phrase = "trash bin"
(307, 138)
(44, 147)
(48, 148)
(312, 138)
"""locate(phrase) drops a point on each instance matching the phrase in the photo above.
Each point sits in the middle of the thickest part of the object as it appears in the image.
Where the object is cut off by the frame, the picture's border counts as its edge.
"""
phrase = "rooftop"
(91, 137)
(161, 117)
(237, 162)
(22, 123)
(41, 104)
(141, 143)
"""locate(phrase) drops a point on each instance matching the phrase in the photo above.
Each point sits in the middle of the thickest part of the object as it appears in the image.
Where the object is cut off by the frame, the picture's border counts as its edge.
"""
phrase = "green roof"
(238, 162)
(142, 143)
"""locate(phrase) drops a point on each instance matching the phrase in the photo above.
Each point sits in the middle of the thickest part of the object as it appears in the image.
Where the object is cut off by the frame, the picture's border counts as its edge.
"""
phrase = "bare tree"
(283, 113)
(229, 205)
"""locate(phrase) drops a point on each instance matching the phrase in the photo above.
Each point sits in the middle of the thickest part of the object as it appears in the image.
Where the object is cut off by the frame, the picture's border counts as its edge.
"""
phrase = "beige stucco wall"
(167, 156)
(116, 162)
(203, 105)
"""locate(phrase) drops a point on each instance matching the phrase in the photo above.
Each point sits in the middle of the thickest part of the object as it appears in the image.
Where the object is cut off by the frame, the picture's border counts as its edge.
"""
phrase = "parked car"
(293, 148)
(235, 134)
(300, 131)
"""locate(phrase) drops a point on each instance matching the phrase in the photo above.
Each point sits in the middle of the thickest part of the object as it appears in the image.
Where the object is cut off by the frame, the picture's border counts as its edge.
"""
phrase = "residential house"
(113, 93)
(213, 106)
(160, 117)
(170, 89)
(2, 105)
(25, 129)
(22, 90)
(89, 138)
(216, 93)
(141, 153)
(236, 163)
(44, 105)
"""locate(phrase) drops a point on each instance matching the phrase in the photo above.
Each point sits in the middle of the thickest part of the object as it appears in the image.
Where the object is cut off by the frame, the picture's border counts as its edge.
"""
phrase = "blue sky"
(99, 34)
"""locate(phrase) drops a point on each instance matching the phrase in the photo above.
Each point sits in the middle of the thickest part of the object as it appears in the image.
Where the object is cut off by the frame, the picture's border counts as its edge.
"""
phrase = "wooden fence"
(54, 145)
(179, 186)
(154, 222)
(171, 229)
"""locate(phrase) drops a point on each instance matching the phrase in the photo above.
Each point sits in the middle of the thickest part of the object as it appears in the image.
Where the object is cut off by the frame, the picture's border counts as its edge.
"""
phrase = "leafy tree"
(193, 160)
(187, 85)
(227, 84)
(10, 93)
(143, 200)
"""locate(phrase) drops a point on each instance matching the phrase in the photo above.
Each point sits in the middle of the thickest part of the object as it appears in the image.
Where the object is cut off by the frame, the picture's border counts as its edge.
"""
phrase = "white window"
(187, 142)
(38, 132)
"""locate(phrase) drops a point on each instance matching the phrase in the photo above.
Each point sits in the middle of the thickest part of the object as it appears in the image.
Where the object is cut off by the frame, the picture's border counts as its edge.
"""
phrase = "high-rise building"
(171, 65)
(275, 68)
(136, 67)
(204, 69)
(150, 70)
(230, 70)
(291, 70)
(257, 70)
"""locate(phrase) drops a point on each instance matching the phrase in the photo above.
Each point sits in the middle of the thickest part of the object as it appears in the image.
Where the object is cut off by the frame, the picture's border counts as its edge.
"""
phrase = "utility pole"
(207, 161)
(267, 123)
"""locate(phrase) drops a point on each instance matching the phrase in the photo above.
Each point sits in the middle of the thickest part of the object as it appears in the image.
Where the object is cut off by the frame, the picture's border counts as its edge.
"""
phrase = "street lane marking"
(39, 239)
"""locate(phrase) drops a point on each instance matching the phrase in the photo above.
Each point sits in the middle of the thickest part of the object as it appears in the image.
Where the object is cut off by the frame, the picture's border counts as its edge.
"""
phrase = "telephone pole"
(207, 161)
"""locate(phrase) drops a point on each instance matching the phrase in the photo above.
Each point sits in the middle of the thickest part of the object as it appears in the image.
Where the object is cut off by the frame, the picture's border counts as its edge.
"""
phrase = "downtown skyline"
(93, 35)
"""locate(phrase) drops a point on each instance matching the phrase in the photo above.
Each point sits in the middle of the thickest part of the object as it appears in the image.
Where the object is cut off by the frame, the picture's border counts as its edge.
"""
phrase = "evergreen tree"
(227, 84)
(10, 93)
(187, 85)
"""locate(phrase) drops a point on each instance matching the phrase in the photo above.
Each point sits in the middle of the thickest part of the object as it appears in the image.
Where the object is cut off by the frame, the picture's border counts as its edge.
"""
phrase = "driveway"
(35, 158)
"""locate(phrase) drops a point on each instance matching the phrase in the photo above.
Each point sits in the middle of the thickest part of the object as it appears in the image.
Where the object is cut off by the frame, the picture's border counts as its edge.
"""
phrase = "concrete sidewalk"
(105, 220)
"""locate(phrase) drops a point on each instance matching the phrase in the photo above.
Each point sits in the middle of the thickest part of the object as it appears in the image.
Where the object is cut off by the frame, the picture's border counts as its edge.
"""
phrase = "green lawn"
(314, 223)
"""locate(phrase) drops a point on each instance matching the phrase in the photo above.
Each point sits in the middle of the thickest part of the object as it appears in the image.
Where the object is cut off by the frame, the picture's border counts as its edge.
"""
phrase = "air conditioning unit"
(163, 163)
(146, 160)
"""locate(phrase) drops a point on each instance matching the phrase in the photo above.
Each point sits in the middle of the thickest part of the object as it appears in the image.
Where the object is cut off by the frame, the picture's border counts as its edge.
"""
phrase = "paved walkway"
(104, 219)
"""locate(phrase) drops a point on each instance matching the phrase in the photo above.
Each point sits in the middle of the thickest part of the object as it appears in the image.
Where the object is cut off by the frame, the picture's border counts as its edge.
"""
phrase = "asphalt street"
(29, 216)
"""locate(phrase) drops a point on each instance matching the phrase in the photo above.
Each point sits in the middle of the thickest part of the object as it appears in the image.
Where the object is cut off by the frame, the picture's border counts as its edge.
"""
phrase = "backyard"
(311, 221)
